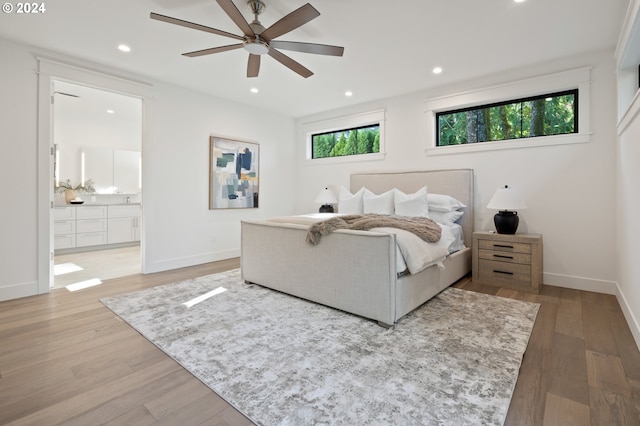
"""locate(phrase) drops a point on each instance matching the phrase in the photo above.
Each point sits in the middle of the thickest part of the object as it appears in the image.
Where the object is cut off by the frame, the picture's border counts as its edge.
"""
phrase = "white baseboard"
(632, 321)
(182, 262)
(16, 291)
(580, 283)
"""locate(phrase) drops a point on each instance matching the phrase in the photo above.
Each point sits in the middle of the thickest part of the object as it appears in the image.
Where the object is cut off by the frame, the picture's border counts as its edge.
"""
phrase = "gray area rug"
(281, 360)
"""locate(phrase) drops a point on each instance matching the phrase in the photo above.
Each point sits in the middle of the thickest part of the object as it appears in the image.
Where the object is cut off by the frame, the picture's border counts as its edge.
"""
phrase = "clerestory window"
(535, 116)
(343, 142)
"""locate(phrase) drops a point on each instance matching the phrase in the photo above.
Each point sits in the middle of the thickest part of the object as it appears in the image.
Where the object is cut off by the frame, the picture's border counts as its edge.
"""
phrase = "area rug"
(281, 360)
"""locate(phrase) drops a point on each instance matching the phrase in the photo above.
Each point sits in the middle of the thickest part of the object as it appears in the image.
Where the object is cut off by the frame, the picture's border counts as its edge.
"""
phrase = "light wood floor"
(66, 359)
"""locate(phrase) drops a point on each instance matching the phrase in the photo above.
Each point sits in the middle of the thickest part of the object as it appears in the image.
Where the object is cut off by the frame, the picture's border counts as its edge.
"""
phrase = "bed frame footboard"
(276, 255)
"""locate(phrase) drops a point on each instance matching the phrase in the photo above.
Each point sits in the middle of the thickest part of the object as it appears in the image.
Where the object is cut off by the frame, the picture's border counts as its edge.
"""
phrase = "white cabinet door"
(92, 212)
(91, 239)
(121, 230)
(64, 241)
(64, 213)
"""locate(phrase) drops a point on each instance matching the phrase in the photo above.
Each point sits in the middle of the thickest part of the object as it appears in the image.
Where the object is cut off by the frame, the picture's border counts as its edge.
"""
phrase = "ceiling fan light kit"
(258, 40)
(256, 46)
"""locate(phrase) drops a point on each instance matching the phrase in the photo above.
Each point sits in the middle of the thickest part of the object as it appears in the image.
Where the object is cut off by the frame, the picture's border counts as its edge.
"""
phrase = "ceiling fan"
(258, 40)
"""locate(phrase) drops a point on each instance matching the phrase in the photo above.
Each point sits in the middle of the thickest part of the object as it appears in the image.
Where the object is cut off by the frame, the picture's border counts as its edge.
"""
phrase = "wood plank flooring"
(66, 359)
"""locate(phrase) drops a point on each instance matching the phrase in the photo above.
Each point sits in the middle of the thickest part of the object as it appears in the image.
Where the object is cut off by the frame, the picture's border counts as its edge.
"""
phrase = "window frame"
(353, 121)
(577, 79)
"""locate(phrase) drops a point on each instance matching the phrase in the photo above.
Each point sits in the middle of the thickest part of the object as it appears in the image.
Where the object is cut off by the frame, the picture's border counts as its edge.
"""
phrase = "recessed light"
(518, 1)
(437, 70)
(124, 48)
(254, 90)
(110, 111)
(348, 93)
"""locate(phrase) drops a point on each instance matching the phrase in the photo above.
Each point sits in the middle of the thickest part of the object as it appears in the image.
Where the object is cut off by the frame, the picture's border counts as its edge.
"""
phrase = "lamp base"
(506, 222)
(326, 208)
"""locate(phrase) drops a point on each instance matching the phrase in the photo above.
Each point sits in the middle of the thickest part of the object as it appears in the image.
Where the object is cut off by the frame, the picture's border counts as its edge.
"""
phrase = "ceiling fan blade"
(318, 49)
(253, 67)
(192, 25)
(213, 50)
(290, 63)
(235, 15)
(290, 22)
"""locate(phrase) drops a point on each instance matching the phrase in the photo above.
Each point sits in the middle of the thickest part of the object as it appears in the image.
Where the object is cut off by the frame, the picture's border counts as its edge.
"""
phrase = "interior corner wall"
(178, 227)
(569, 188)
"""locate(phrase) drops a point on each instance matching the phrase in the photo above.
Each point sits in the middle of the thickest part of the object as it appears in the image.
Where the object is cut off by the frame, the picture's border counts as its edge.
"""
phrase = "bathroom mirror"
(113, 171)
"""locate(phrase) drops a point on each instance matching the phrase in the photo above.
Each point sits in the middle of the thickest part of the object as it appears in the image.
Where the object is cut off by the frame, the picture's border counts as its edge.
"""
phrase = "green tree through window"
(544, 115)
(354, 141)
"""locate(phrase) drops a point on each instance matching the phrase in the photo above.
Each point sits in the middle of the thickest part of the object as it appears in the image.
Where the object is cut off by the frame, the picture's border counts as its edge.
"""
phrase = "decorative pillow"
(447, 218)
(378, 204)
(443, 203)
(349, 203)
(411, 204)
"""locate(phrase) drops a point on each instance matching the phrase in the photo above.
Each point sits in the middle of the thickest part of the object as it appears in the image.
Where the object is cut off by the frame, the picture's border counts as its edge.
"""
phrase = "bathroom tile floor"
(100, 264)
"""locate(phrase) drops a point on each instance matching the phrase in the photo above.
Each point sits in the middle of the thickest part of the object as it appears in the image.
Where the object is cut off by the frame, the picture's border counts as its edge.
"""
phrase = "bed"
(356, 271)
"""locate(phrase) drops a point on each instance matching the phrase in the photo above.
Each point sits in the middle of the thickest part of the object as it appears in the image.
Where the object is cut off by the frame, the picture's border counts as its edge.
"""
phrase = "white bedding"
(412, 253)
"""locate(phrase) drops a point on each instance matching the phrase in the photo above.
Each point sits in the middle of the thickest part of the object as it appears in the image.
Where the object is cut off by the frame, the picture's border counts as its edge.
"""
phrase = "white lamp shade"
(326, 197)
(506, 199)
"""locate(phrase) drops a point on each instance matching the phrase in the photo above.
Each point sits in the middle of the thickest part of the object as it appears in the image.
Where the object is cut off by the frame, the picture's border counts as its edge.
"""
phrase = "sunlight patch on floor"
(84, 284)
(66, 268)
(204, 297)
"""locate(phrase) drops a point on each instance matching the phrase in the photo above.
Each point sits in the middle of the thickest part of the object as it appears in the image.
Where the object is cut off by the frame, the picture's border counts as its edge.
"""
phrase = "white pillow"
(378, 204)
(443, 203)
(447, 218)
(411, 204)
(349, 203)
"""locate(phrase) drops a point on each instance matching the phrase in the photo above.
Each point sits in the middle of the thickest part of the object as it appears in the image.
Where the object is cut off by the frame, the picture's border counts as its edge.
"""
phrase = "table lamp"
(326, 198)
(506, 200)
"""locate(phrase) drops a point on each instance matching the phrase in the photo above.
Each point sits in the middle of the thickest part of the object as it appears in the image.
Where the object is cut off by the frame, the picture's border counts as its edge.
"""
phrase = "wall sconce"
(326, 198)
(506, 200)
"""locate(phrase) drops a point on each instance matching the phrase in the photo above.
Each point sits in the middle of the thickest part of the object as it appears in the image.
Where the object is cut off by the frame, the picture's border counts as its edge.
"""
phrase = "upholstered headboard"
(457, 183)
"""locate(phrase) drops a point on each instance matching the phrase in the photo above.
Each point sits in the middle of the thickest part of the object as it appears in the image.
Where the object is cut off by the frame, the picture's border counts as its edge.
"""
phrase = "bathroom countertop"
(95, 204)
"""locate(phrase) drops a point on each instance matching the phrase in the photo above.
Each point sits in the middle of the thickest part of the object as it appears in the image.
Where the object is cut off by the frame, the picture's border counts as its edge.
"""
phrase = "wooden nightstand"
(510, 261)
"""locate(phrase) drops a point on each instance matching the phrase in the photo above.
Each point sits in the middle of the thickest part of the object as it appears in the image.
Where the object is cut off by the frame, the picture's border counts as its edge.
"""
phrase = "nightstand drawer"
(498, 273)
(500, 256)
(504, 246)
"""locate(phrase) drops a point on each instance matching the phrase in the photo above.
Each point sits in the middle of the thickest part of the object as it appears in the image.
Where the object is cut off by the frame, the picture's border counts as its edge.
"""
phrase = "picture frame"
(233, 173)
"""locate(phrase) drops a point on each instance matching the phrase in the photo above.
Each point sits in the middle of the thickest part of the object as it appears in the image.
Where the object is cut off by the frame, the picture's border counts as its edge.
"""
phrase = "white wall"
(18, 172)
(570, 189)
(178, 228)
(628, 224)
(628, 170)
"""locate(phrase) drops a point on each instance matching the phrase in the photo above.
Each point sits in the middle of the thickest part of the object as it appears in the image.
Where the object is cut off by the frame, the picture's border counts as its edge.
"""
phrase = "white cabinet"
(64, 227)
(95, 225)
(124, 224)
(91, 226)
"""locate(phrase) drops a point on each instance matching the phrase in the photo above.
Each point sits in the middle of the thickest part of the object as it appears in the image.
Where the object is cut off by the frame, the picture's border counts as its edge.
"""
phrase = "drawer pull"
(503, 272)
(502, 246)
(502, 256)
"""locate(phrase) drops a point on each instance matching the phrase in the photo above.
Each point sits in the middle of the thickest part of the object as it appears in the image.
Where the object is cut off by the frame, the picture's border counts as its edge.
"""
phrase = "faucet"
(128, 200)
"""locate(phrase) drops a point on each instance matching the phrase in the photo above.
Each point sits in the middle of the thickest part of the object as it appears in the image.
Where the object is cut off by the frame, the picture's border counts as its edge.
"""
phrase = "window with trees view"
(353, 141)
(544, 115)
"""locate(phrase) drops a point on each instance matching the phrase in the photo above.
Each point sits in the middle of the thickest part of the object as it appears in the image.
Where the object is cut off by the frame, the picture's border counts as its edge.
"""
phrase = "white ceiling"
(390, 46)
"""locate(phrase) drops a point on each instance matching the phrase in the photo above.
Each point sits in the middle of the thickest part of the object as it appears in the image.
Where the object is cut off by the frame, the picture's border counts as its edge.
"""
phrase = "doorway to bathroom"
(97, 174)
